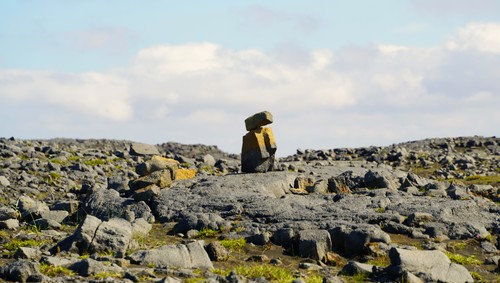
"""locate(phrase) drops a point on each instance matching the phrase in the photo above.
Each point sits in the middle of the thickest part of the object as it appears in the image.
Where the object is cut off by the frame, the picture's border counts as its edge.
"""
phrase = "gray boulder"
(89, 267)
(353, 241)
(199, 221)
(191, 255)
(413, 180)
(418, 219)
(141, 227)
(345, 182)
(55, 215)
(143, 149)
(430, 266)
(378, 180)
(353, 268)
(21, 271)
(27, 253)
(31, 209)
(314, 244)
(7, 212)
(4, 182)
(106, 204)
(10, 224)
(283, 237)
(112, 236)
(217, 252)
(93, 235)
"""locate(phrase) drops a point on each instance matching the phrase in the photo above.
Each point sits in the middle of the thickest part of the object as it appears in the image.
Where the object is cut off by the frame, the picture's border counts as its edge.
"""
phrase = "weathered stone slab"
(258, 120)
(191, 255)
(314, 244)
(431, 266)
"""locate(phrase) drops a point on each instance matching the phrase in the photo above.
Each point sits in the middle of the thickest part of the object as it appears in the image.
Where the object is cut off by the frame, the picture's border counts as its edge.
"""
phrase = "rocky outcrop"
(334, 206)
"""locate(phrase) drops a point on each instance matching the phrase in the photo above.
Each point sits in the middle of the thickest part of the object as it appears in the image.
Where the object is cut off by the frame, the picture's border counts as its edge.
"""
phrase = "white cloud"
(484, 37)
(93, 94)
(202, 92)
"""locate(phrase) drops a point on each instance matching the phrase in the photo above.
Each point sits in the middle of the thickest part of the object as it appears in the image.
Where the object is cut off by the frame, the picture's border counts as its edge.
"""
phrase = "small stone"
(191, 234)
(258, 258)
(353, 268)
(7, 212)
(10, 224)
(147, 193)
(276, 261)
(4, 182)
(217, 252)
(27, 253)
(488, 247)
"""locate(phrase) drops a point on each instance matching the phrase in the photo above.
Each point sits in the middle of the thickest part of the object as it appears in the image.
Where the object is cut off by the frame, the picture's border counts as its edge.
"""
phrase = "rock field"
(119, 211)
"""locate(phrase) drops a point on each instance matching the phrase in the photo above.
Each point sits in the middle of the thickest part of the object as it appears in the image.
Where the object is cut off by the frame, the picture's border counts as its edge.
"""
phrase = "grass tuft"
(234, 244)
(270, 272)
(53, 271)
(483, 180)
(14, 244)
(207, 233)
(461, 259)
(107, 274)
(94, 162)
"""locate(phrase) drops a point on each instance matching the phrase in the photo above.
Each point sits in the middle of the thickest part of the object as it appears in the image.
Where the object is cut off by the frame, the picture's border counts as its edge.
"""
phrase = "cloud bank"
(202, 92)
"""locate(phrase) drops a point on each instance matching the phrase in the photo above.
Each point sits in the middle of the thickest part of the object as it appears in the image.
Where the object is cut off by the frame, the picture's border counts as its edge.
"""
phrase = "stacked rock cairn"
(259, 146)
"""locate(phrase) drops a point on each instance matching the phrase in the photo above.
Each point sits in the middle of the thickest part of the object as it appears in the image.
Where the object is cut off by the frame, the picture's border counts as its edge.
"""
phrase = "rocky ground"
(118, 211)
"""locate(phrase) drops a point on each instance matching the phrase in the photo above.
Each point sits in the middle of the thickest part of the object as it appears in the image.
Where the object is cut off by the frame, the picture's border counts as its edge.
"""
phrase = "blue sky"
(334, 73)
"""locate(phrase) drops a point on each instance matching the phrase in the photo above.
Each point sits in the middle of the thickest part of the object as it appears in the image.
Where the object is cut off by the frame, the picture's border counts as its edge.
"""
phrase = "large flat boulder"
(191, 255)
(431, 266)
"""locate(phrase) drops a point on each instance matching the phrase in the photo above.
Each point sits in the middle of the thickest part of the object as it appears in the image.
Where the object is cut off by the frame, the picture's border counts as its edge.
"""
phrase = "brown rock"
(257, 154)
(258, 120)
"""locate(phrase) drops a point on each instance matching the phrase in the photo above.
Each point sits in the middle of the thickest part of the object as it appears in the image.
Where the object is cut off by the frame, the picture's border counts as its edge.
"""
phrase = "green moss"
(477, 277)
(380, 261)
(14, 244)
(234, 244)
(207, 233)
(107, 274)
(74, 158)
(94, 162)
(358, 278)
(53, 271)
(380, 210)
(461, 259)
(270, 272)
(195, 280)
(58, 161)
(483, 180)
(221, 272)
(314, 279)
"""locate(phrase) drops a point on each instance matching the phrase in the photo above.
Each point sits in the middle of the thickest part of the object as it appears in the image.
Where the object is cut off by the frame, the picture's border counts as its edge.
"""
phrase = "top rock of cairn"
(258, 120)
